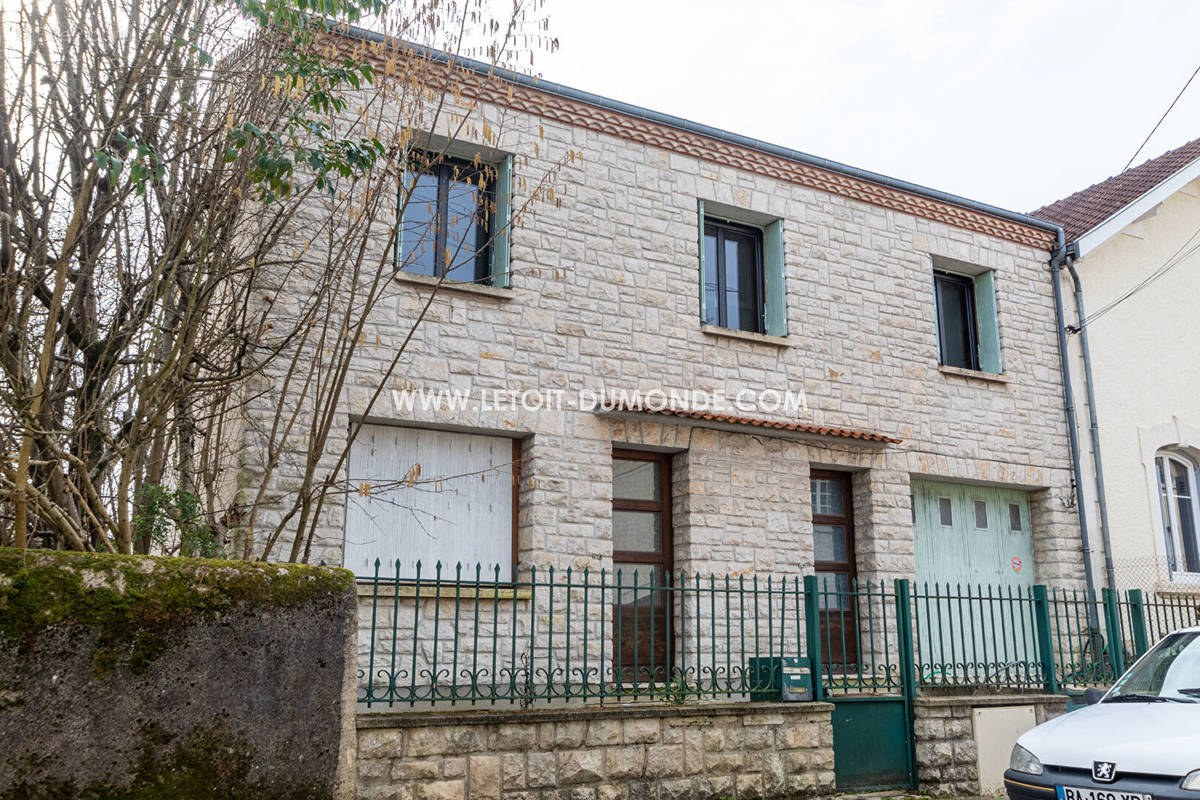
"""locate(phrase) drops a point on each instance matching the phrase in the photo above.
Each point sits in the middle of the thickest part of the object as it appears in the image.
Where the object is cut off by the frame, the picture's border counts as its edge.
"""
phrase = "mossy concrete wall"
(144, 678)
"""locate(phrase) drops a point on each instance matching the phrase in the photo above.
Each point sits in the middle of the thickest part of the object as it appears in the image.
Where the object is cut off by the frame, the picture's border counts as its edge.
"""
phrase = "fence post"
(1112, 624)
(812, 633)
(1137, 621)
(1041, 618)
(908, 668)
(904, 637)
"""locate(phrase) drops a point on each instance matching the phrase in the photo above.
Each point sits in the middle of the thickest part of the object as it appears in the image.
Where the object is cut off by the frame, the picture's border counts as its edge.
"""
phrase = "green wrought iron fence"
(553, 636)
(977, 636)
(465, 637)
(857, 629)
(1165, 612)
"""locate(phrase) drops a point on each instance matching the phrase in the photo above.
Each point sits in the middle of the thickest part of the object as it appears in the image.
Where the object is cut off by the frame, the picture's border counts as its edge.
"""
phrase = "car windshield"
(1169, 673)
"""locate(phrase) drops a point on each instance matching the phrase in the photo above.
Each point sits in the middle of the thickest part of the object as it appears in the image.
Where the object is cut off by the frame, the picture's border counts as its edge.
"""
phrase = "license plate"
(1076, 793)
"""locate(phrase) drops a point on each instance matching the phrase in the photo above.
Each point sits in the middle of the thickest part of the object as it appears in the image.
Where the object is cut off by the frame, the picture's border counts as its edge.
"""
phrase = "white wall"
(1145, 352)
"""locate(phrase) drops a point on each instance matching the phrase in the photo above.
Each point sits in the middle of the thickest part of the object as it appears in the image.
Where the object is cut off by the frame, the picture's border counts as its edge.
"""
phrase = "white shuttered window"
(429, 496)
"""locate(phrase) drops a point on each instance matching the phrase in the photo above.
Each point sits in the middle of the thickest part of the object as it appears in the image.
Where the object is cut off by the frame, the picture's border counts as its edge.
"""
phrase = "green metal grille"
(563, 635)
(462, 637)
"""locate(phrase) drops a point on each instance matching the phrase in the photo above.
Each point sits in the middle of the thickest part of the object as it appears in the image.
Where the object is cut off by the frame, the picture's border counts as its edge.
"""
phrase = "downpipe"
(1093, 423)
(1057, 259)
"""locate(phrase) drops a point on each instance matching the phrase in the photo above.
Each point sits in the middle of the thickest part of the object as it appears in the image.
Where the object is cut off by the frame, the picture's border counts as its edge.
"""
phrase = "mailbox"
(786, 679)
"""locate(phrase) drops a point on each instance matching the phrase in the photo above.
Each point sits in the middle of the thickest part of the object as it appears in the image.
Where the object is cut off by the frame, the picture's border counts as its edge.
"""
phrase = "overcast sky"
(1011, 102)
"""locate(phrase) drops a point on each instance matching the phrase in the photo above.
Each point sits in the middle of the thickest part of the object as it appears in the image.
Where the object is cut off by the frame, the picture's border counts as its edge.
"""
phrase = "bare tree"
(199, 214)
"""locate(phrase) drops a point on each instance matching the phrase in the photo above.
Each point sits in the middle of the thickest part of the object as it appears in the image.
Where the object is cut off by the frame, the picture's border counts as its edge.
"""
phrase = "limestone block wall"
(605, 295)
(695, 751)
(944, 729)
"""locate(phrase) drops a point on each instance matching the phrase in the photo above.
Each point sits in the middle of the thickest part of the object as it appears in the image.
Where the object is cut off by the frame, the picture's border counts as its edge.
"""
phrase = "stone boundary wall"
(148, 678)
(657, 752)
(945, 734)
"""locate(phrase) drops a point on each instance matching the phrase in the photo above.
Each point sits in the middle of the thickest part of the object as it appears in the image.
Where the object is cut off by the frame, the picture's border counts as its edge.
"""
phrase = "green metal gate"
(873, 741)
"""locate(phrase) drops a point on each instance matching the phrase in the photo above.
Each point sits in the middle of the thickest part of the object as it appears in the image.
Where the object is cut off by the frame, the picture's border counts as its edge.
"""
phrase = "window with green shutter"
(457, 221)
(967, 327)
(741, 271)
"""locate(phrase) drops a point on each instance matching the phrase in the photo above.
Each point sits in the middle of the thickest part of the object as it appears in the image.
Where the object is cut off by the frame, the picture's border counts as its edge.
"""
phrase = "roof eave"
(567, 92)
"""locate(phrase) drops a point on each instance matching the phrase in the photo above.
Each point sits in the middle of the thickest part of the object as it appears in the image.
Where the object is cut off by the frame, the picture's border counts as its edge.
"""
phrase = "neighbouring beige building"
(1136, 237)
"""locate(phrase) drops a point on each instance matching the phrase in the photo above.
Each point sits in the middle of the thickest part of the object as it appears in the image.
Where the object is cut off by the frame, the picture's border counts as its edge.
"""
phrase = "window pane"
(732, 282)
(712, 310)
(955, 330)
(638, 531)
(749, 276)
(827, 497)
(981, 515)
(829, 543)
(1187, 531)
(640, 583)
(1167, 510)
(465, 231)
(946, 511)
(635, 480)
(419, 228)
(1181, 486)
(832, 589)
(1014, 518)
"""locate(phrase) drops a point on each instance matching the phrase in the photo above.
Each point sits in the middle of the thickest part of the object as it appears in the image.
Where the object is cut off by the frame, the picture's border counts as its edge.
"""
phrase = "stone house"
(715, 359)
(886, 348)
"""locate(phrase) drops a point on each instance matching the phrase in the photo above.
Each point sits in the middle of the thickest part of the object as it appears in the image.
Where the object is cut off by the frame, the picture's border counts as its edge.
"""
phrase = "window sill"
(987, 377)
(447, 592)
(746, 336)
(454, 286)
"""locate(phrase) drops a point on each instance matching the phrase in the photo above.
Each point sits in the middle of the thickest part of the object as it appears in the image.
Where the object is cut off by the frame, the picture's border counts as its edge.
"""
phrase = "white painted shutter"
(459, 509)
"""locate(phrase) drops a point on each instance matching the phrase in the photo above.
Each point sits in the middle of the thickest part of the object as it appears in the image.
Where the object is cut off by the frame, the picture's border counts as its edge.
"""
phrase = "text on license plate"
(1075, 793)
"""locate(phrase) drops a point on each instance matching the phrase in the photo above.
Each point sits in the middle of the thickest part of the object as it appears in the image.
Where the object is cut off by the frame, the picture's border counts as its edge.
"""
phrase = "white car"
(1141, 741)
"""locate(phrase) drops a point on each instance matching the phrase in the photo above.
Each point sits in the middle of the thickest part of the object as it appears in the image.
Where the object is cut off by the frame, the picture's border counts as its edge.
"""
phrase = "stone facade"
(695, 751)
(605, 295)
(945, 735)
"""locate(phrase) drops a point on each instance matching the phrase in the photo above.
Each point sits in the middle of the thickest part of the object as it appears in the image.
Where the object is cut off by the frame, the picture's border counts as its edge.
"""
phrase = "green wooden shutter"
(405, 179)
(502, 225)
(989, 329)
(700, 239)
(775, 301)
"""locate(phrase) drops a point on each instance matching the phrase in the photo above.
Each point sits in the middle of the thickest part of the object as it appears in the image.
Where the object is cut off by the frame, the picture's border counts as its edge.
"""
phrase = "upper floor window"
(968, 337)
(1178, 501)
(733, 276)
(741, 271)
(455, 223)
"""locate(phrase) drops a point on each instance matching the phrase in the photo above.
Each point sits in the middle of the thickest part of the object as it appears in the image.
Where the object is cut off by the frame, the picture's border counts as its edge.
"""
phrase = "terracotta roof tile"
(797, 427)
(1087, 208)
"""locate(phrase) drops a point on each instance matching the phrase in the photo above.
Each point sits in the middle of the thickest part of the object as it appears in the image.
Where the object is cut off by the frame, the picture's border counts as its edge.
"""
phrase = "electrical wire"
(1160, 119)
(1177, 258)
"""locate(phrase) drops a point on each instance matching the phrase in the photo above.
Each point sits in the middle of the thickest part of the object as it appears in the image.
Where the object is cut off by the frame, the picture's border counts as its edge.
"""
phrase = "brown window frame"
(850, 565)
(665, 559)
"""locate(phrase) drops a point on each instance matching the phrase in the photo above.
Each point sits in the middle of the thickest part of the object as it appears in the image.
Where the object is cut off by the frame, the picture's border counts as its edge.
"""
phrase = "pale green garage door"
(973, 546)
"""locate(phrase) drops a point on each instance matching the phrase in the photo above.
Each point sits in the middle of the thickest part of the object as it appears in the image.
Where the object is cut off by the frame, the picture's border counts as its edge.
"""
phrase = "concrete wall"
(1143, 355)
(173, 678)
(694, 751)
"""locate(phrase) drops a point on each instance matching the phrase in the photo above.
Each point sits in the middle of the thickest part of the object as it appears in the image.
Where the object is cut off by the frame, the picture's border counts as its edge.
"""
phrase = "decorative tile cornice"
(494, 90)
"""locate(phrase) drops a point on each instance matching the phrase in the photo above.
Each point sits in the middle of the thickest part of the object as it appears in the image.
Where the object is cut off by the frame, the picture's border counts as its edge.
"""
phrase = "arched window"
(1180, 512)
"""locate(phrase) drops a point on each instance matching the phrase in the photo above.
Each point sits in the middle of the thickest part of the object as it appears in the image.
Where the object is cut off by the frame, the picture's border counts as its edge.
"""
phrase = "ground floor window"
(1178, 502)
(426, 495)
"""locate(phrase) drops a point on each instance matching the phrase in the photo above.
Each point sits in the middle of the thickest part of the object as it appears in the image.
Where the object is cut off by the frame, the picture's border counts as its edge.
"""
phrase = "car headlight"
(1024, 761)
(1192, 781)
